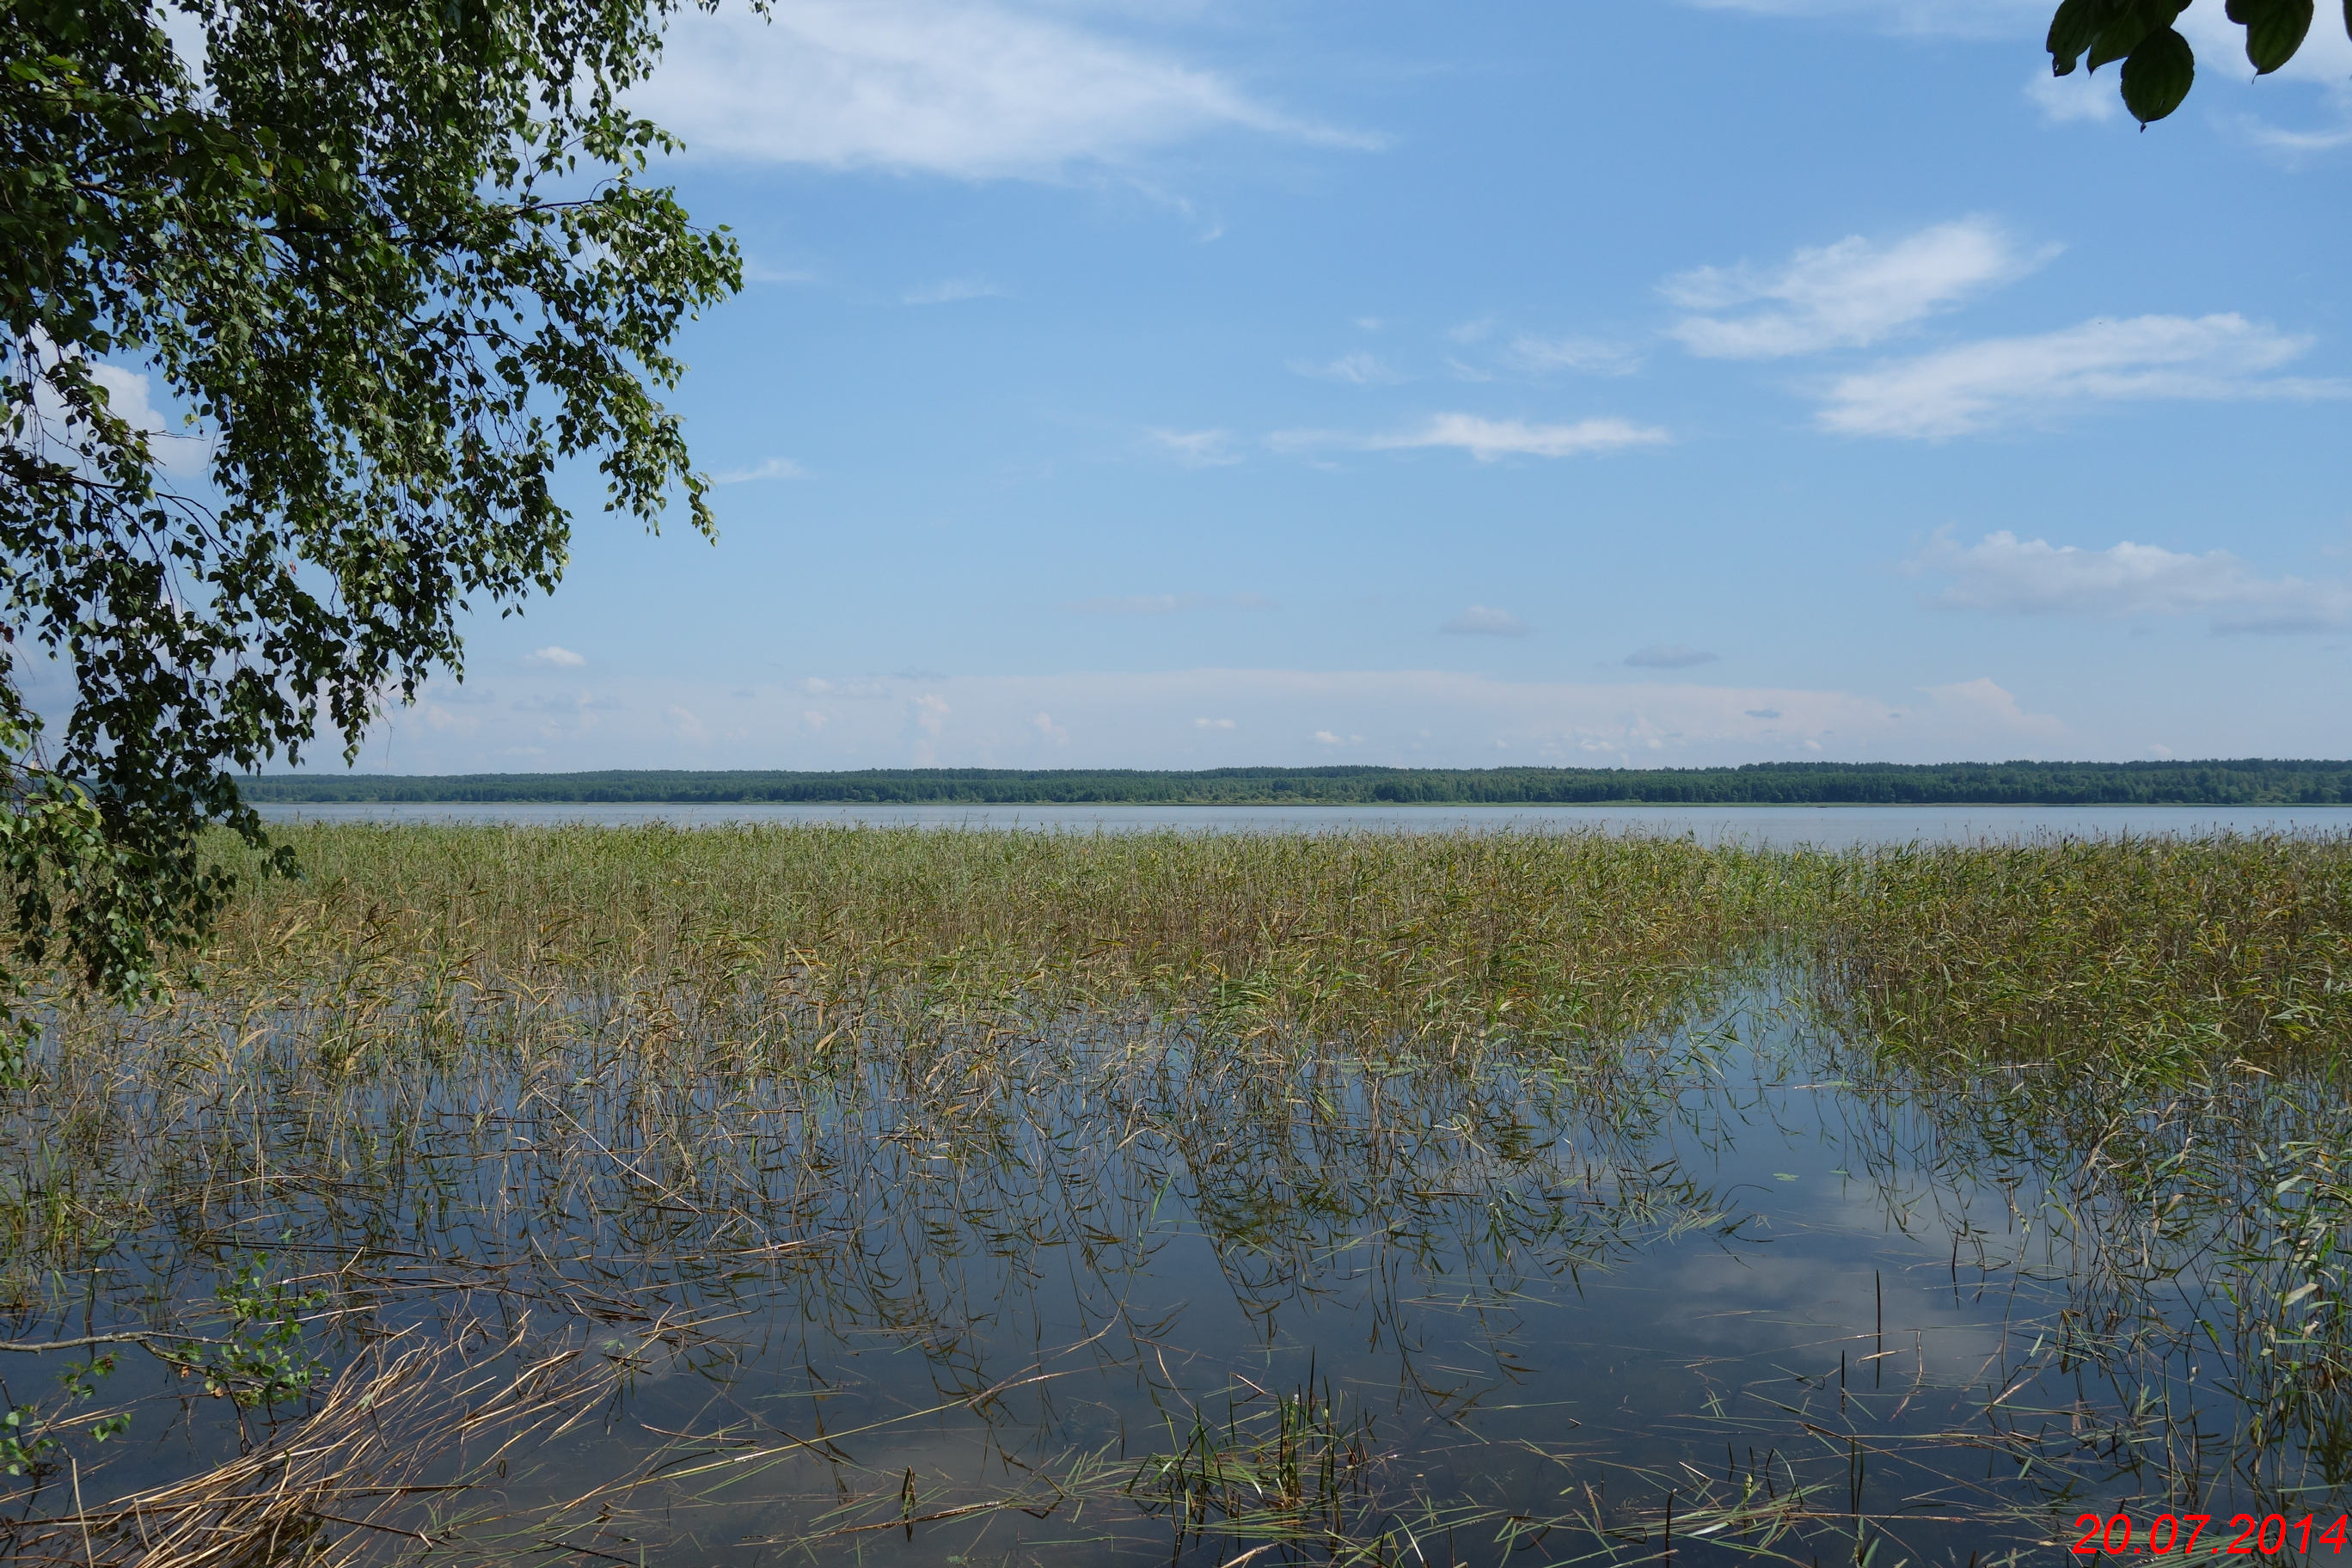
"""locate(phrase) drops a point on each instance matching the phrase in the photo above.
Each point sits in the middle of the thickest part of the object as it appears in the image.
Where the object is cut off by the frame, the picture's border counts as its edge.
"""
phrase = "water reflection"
(1120, 1285)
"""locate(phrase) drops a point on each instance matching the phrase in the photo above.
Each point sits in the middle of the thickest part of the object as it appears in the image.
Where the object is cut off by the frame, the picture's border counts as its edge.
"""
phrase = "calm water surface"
(1830, 827)
(1068, 1314)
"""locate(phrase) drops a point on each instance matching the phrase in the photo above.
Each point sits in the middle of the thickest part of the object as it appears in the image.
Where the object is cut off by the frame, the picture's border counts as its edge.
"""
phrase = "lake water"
(1827, 826)
(1121, 1293)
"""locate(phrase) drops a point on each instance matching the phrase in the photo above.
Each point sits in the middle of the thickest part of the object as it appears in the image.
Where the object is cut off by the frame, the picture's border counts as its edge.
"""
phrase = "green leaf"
(2120, 35)
(2158, 75)
(2074, 29)
(2275, 32)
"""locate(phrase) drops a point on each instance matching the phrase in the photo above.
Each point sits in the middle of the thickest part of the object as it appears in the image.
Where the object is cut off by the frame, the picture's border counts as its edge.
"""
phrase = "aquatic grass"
(939, 1091)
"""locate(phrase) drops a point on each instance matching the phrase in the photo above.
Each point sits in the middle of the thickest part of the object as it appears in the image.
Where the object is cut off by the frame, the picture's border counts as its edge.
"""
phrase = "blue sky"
(1196, 383)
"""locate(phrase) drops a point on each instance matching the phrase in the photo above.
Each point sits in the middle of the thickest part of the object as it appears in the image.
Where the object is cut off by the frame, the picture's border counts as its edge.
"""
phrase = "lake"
(1826, 826)
(940, 1199)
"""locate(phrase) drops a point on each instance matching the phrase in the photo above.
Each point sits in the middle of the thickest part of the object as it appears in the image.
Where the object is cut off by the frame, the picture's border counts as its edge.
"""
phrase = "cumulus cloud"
(554, 658)
(689, 727)
(1847, 295)
(1487, 439)
(1668, 656)
(1990, 706)
(961, 88)
(2005, 573)
(774, 468)
(930, 712)
(1196, 448)
(1980, 386)
(1483, 620)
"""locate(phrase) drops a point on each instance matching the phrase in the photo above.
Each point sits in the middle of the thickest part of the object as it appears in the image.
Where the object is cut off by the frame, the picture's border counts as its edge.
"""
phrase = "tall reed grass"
(606, 1082)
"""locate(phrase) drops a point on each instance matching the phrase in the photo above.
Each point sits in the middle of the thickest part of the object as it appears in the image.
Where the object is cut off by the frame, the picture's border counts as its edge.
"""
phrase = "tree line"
(2247, 782)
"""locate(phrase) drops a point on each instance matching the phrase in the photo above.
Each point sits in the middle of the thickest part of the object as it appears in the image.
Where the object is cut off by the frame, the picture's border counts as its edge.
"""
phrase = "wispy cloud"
(1196, 448)
(579, 702)
(1847, 295)
(1168, 604)
(1979, 385)
(773, 469)
(1972, 19)
(2031, 576)
(1486, 440)
(1669, 656)
(961, 88)
(1436, 717)
(554, 658)
(1359, 369)
(1483, 620)
(1592, 356)
(2080, 99)
(951, 292)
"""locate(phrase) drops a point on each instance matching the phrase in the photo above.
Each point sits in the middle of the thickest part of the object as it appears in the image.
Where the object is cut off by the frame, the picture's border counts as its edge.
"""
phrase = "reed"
(615, 1089)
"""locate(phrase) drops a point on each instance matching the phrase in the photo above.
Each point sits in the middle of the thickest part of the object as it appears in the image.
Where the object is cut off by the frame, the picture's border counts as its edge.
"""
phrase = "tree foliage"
(395, 261)
(2244, 781)
(2158, 66)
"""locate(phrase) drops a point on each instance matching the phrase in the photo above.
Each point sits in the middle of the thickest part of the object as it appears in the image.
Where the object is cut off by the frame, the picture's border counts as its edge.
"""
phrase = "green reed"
(676, 1052)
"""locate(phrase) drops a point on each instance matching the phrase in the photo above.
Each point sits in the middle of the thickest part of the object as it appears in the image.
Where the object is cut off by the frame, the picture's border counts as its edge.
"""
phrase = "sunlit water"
(1827, 826)
(1714, 1283)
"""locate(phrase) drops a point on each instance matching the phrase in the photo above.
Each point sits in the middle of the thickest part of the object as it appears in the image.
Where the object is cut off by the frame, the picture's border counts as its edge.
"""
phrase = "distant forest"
(2245, 783)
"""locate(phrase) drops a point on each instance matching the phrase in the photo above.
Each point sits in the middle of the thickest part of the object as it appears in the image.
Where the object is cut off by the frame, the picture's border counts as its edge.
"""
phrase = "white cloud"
(1359, 369)
(688, 725)
(1591, 355)
(961, 88)
(1966, 19)
(2079, 98)
(1978, 385)
(1168, 604)
(1482, 620)
(1052, 734)
(554, 658)
(774, 468)
(2005, 573)
(1846, 295)
(1988, 706)
(573, 702)
(1668, 656)
(951, 292)
(1433, 718)
(2324, 59)
(1487, 439)
(1196, 448)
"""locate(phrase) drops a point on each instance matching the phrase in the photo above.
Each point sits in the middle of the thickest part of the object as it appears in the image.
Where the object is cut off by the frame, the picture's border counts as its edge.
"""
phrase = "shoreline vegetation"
(2241, 782)
(758, 1194)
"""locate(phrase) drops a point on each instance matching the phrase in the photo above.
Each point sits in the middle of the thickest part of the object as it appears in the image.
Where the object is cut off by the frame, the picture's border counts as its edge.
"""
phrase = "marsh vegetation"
(750, 1195)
